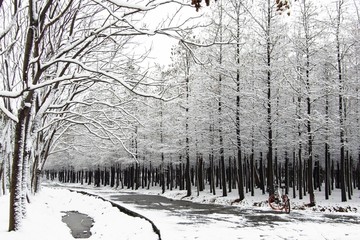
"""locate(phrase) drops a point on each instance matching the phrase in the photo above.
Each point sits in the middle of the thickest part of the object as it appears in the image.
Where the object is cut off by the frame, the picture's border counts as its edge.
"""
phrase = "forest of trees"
(250, 98)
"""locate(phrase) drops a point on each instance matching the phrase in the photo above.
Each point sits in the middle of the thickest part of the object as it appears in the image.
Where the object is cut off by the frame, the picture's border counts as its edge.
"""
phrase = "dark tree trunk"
(279, 170)
(262, 175)
(286, 173)
(294, 175)
(172, 176)
(327, 172)
(137, 176)
(358, 173)
(187, 171)
(143, 176)
(240, 176)
(348, 179)
(247, 174)
(277, 173)
(90, 177)
(201, 174)
(112, 179)
(162, 177)
(305, 179)
(2, 178)
(229, 179)
(337, 176)
(252, 168)
(97, 177)
(300, 179)
(117, 176)
(102, 177)
(149, 176)
(212, 173)
(332, 173)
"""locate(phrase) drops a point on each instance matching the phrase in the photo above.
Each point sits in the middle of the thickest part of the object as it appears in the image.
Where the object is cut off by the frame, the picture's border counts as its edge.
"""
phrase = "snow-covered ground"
(302, 223)
(47, 208)
(44, 216)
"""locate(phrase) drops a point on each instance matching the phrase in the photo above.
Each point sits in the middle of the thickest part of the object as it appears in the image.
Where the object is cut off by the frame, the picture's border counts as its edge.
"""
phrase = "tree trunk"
(172, 176)
(358, 173)
(240, 177)
(341, 112)
(2, 177)
(229, 174)
(187, 176)
(286, 173)
(300, 167)
(270, 171)
(162, 176)
(262, 177)
(112, 176)
(201, 173)
(15, 215)
(348, 179)
(97, 177)
(212, 173)
(310, 185)
(187, 140)
(252, 168)
(294, 174)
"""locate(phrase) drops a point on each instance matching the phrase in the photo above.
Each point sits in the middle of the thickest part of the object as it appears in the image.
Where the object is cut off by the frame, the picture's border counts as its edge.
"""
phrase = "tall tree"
(268, 34)
(307, 13)
(237, 7)
(339, 12)
(187, 140)
(220, 105)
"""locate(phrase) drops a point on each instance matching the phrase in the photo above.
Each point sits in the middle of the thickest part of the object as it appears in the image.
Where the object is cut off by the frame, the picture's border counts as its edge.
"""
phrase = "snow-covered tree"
(47, 46)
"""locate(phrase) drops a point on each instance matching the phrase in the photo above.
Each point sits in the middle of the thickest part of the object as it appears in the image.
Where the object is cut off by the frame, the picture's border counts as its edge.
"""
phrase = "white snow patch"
(46, 211)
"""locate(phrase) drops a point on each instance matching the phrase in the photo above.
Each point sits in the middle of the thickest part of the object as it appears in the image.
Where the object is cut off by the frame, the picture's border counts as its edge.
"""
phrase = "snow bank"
(48, 207)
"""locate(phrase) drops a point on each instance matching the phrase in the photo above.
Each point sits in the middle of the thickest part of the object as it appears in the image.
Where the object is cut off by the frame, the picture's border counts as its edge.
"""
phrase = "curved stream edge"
(121, 209)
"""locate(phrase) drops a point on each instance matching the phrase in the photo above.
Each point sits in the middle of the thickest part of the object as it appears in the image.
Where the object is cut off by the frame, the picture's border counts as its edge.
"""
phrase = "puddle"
(78, 223)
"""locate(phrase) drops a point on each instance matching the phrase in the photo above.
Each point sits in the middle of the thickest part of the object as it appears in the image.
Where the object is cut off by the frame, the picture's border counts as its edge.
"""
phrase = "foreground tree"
(54, 44)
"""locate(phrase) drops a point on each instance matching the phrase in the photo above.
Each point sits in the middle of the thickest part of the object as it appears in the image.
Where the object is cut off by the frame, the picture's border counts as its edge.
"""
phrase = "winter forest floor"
(329, 219)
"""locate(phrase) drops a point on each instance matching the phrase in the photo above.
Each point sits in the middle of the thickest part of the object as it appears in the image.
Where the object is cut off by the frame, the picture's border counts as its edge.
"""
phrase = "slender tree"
(339, 12)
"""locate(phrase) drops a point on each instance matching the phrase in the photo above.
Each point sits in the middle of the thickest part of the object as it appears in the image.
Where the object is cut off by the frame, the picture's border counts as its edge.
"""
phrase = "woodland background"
(251, 95)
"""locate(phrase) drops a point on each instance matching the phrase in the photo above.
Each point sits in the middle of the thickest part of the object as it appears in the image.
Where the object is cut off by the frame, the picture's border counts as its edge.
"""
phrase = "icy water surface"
(79, 224)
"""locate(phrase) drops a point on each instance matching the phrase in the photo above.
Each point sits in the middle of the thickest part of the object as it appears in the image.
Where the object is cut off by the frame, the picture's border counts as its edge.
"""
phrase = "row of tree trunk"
(287, 174)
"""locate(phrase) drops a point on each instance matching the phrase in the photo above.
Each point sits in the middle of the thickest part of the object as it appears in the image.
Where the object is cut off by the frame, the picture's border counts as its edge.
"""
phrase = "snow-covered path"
(182, 220)
(213, 219)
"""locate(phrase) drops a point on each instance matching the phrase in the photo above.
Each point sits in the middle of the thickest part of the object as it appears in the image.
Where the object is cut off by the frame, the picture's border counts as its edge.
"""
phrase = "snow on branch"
(7, 112)
(111, 77)
(121, 3)
(146, 7)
